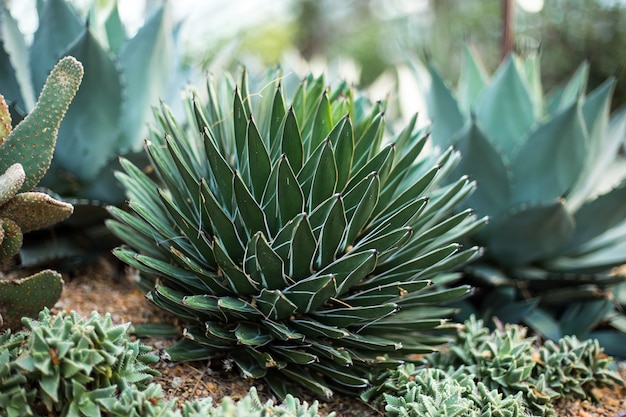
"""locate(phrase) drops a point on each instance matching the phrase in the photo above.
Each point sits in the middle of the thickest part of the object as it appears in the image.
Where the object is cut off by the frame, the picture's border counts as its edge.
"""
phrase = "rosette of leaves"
(415, 392)
(510, 362)
(298, 241)
(25, 155)
(553, 183)
(68, 364)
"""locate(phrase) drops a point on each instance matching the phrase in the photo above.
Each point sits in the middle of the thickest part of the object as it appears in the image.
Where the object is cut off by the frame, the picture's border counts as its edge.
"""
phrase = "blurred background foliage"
(374, 36)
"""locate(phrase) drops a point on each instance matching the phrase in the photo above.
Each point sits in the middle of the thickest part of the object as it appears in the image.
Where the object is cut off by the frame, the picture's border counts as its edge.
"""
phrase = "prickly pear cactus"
(25, 155)
(26, 297)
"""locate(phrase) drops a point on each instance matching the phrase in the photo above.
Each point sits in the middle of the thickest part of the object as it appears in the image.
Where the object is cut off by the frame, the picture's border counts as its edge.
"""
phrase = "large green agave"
(550, 177)
(298, 244)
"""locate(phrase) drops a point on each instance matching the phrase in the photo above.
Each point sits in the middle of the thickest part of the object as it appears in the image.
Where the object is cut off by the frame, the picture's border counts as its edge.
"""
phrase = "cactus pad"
(34, 210)
(11, 238)
(32, 141)
(10, 182)
(5, 119)
(27, 296)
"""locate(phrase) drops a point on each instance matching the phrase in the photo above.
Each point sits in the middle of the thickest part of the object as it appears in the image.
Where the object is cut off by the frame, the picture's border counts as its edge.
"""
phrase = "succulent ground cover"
(189, 380)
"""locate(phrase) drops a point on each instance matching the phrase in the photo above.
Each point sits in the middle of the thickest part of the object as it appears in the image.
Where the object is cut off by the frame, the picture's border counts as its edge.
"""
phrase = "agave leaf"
(453, 262)
(612, 342)
(282, 332)
(150, 47)
(131, 237)
(322, 123)
(402, 272)
(289, 195)
(238, 281)
(360, 203)
(440, 100)
(473, 78)
(59, 27)
(530, 231)
(343, 376)
(561, 143)
(381, 164)
(17, 87)
(354, 316)
(385, 243)
(504, 108)
(170, 300)
(291, 144)
(407, 197)
(351, 269)
(324, 177)
(309, 382)
(250, 335)
(482, 162)
(213, 329)
(187, 350)
(330, 216)
(221, 172)
(93, 119)
(275, 305)
(443, 202)
(342, 138)
(368, 144)
(302, 250)
(532, 71)
(433, 297)
(276, 117)
(240, 120)
(281, 244)
(221, 223)
(575, 88)
(341, 357)
(314, 328)
(251, 213)
(270, 266)
(596, 217)
(604, 141)
(593, 261)
(385, 293)
(312, 292)
(581, 318)
(247, 364)
(294, 355)
(258, 164)
(238, 308)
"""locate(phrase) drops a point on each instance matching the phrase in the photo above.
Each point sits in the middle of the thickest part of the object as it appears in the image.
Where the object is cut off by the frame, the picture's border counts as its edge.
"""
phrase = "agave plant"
(298, 241)
(550, 177)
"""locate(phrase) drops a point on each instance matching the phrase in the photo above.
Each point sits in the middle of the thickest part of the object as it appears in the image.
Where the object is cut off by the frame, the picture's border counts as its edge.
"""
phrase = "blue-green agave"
(552, 182)
(124, 77)
(299, 241)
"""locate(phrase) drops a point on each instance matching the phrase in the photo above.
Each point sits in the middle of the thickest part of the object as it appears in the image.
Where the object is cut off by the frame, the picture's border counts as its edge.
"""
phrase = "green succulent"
(433, 392)
(123, 78)
(508, 361)
(69, 365)
(298, 242)
(25, 155)
(552, 182)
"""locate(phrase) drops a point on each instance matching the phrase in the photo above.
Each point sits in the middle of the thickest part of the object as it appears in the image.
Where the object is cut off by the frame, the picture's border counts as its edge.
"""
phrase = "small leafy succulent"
(295, 244)
(550, 177)
(69, 365)
(431, 392)
(25, 155)
(508, 361)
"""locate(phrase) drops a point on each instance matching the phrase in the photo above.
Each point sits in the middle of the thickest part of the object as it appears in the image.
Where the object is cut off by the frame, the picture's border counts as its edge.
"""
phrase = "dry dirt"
(107, 289)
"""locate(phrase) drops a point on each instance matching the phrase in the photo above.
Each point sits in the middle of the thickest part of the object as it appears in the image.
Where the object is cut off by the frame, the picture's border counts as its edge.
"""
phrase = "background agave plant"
(550, 177)
(124, 77)
(297, 243)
